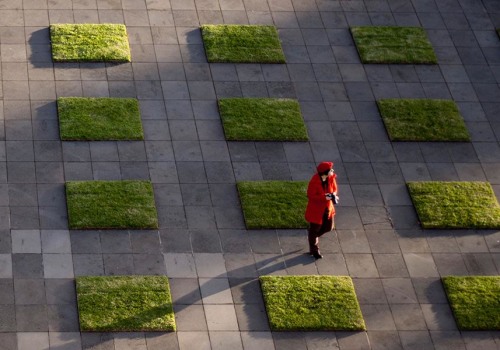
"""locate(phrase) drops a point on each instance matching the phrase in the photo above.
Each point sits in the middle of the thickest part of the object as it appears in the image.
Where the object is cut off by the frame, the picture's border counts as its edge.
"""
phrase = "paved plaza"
(212, 261)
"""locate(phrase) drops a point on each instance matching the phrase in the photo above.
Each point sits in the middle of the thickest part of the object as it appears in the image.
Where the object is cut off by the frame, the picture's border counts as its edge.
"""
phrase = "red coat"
(318, 203)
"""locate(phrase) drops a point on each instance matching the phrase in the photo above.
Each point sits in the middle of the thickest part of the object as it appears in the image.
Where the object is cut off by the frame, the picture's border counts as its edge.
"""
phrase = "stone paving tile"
(385, 339)
(215, 291)
(56, 241)
(88, 265)
(129, 340)
(28, 340)
(252, 317)
(416, 340)
(225, 340)
(180, 265)
(390, 265)
(399, 291)
(26, 241)
(408, 317)
(443, 339)
(420, 265)
(29, 291)
(450, 264)
(65, 340)
(269, 264)
(190, 318)
(378, 317)
(480, 264)
(118, 264)
(190, 340)
(257, 340)
(361, 265)
(353, 241)
(58, 266)
(353, 340)
(334, 264)
(292, 340)
(221, 317)
(369, 291)
(438, 317)
(185, 291)
(240, 265)
(210, 265)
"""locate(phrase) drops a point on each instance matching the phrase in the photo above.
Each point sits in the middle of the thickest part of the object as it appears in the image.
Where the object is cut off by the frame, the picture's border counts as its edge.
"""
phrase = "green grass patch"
(88, 118)
(111, 205)
(262, 119)
(455, 205)
(408, 45)
(475, 301)
(422, 120)
(124, 303)
(242, 44)
(305, 303)
(273, 204)
(89, 42)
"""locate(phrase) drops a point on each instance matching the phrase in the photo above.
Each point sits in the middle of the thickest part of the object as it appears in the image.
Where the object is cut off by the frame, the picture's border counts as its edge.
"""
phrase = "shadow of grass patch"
(406, 45)
(311, 303)
(457, 205)
(124, 303)
(422, 120)
(111, 205)
(262, 119)
(273, 204)
(242, 43)
(475, 301)
(88, 118)
(89, 43)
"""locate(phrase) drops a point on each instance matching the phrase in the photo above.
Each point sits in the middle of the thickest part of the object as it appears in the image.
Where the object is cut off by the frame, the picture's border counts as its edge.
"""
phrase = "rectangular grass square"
(422, 120)
(111, 205)
(475, 301)
(456, 205)
(311, 303)
(89, 118)
(406, 45)
(89, 42)
(124, 304)
(262, 119)
(273, 204)
(242, 43)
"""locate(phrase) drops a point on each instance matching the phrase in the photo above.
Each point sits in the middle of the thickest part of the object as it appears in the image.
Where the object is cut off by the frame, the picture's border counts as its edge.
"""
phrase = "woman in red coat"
(320, 212)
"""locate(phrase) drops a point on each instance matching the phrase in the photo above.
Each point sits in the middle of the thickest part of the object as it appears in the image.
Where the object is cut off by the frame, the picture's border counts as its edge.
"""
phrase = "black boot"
(317, 255)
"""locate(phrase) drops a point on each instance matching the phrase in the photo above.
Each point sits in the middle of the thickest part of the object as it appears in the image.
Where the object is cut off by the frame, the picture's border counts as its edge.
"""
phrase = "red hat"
(324, 166)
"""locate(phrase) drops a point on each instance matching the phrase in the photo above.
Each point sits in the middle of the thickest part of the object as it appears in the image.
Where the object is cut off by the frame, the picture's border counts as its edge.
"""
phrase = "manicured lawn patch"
(89, 42)
(273, 204)
(304, 303)
(86, 118)
(124, 303)
(242, 43)
(422, 120)
(475, 301)
(455, 204)
(111, 205)
(262, 119)
(408, 45)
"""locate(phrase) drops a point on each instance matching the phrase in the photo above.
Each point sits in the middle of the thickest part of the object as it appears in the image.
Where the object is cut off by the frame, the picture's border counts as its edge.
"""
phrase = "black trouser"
(315, 231)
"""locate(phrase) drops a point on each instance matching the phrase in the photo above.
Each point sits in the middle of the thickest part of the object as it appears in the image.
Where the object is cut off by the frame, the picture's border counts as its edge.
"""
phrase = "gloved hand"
(333, 197)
